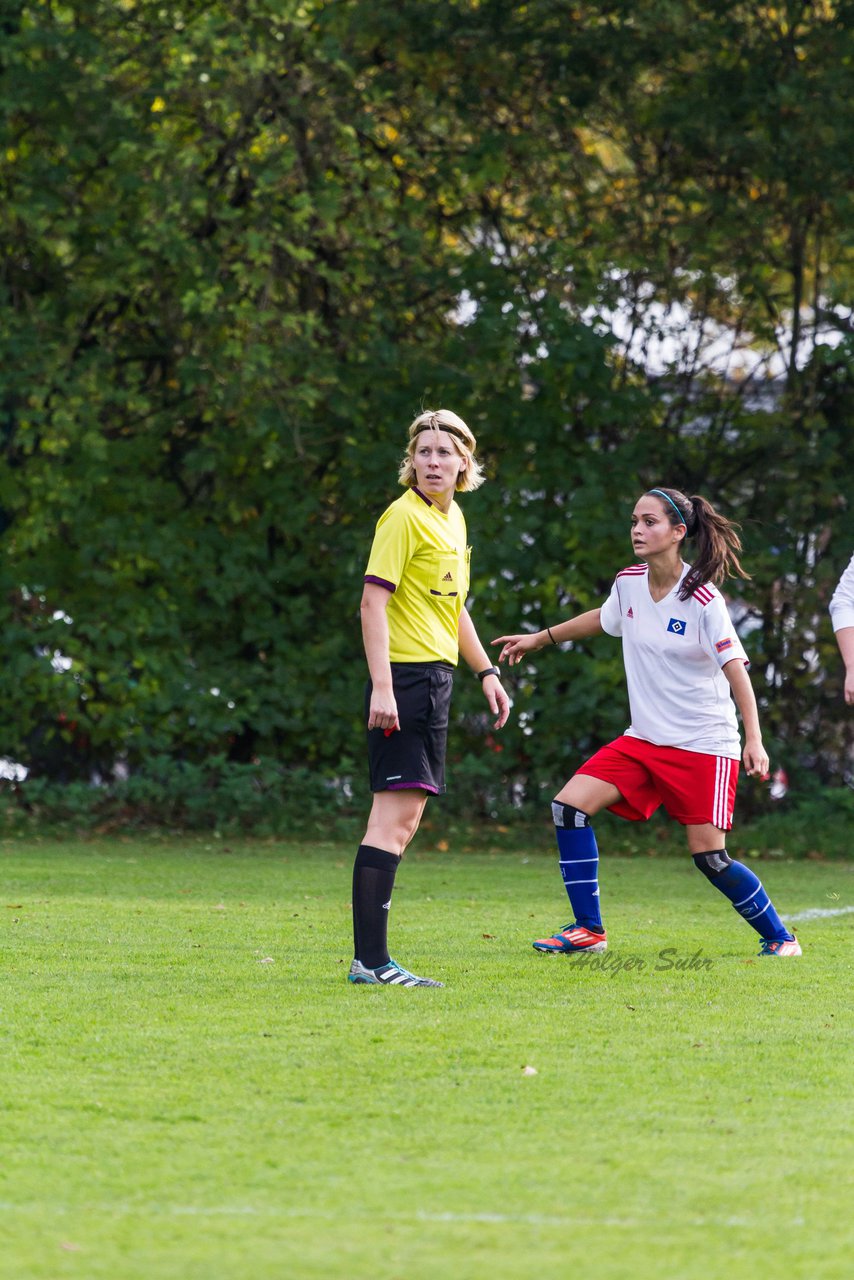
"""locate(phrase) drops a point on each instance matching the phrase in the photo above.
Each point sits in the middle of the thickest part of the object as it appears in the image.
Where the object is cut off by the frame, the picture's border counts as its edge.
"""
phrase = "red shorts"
(694, 788)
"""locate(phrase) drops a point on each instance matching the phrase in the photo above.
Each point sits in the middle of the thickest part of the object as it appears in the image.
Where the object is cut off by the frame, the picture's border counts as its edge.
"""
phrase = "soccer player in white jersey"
(415, 626)
(842, 616)
(684, 666)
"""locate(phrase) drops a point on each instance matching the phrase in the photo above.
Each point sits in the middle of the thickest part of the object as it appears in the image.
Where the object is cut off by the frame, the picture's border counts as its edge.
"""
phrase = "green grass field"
(190, 1088)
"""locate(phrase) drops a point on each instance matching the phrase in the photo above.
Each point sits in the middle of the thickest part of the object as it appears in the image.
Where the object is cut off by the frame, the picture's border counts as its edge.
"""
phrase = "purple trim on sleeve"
(422, 496)
(380, 582)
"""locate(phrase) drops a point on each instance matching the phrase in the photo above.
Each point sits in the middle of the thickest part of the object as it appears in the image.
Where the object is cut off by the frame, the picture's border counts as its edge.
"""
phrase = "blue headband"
(662, 494)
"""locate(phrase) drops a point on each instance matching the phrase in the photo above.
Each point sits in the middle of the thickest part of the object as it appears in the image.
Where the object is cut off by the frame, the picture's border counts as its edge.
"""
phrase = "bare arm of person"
(845, 640)
(383, 709)
(755, 756)
(580, 628)
(478, 659)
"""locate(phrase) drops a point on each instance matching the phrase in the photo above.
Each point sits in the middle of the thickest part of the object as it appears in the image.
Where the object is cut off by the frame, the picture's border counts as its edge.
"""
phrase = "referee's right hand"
(383, 711)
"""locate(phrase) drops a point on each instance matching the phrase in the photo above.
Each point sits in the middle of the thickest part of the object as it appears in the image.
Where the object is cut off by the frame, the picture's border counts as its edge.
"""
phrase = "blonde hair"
(471, 475)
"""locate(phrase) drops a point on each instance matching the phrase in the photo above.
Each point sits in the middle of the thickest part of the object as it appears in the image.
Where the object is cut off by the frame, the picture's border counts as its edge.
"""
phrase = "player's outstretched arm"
(515, 647)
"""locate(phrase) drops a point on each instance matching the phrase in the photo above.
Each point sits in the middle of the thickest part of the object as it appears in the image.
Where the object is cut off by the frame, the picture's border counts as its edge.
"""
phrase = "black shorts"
(414, 755)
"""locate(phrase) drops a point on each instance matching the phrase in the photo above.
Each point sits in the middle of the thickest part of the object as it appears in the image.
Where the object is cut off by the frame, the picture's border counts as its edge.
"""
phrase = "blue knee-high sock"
(744, 890)
(579, 863)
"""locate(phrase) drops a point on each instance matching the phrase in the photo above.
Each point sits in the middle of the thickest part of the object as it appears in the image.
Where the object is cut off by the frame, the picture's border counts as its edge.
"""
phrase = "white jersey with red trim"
(674, 652)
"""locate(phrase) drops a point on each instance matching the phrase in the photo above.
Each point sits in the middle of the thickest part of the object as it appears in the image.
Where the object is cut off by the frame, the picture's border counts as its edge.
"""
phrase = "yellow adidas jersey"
(419, 554)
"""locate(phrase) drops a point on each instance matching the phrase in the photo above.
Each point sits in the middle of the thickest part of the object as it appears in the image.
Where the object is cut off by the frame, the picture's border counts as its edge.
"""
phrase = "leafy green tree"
(241, 245)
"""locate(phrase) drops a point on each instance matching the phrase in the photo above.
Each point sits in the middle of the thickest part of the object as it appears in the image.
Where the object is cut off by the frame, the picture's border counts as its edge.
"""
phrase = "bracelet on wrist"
(551, 637)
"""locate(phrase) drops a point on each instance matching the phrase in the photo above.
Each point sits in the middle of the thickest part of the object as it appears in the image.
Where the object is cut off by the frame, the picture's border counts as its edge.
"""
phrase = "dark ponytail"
(717, 541)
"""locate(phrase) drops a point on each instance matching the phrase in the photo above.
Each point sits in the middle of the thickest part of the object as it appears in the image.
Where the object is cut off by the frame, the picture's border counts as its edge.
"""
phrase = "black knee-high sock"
(373, 882)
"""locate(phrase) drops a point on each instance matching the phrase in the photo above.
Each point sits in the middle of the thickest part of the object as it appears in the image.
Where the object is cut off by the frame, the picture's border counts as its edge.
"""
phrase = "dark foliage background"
(241, 245)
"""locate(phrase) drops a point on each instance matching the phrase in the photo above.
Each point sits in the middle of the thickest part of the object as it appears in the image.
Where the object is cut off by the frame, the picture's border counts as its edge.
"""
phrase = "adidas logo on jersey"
(631, 612)
(449, 577)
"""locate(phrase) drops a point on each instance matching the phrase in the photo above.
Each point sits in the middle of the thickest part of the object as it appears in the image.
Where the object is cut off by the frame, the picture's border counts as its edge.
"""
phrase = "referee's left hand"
(496, 696)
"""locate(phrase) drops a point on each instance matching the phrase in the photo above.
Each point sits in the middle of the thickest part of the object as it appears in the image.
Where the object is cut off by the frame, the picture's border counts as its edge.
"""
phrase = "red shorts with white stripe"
(694, 788)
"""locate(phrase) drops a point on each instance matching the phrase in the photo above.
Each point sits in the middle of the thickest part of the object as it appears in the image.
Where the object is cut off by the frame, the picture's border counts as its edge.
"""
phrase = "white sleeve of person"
(717, 632)
(611, 613)
(842, 600)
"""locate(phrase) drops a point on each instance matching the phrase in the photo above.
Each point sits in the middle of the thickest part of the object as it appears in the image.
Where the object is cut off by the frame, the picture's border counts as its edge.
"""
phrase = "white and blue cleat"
(387, 975)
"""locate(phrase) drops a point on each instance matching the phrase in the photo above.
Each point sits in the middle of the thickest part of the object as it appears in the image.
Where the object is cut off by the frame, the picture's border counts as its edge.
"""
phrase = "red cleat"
(573, 937)
(785, 947)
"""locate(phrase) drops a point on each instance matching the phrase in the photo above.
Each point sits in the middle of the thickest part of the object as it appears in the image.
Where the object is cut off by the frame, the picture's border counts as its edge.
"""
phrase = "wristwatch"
(490, 671)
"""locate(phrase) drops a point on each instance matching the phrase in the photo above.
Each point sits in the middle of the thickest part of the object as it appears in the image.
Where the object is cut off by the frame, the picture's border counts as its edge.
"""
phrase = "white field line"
(292, 1212)
(818, 913)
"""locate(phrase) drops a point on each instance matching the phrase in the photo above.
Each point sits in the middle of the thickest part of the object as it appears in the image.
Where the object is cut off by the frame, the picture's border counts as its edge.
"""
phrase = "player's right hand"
(515, 647)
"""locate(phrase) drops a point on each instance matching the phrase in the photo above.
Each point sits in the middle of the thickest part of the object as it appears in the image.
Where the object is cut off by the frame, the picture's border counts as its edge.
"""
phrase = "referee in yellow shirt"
(415, 626)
